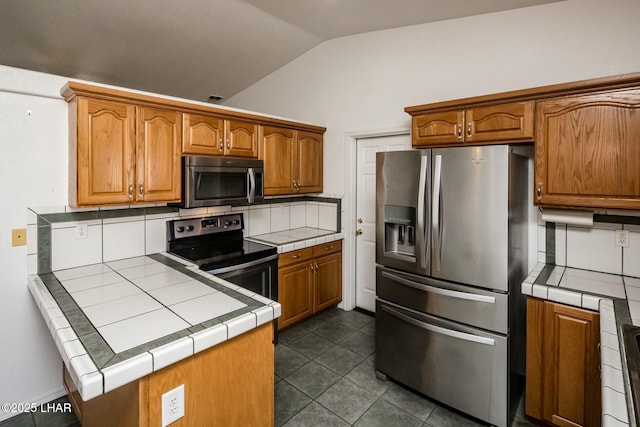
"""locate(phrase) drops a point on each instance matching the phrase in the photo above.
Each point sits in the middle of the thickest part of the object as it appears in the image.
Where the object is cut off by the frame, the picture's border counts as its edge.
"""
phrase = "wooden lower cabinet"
(309, 281)
(563, 375)
(231, 384)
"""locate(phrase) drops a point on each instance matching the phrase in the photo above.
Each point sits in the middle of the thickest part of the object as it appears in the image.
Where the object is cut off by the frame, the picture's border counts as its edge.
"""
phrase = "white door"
(366, 149)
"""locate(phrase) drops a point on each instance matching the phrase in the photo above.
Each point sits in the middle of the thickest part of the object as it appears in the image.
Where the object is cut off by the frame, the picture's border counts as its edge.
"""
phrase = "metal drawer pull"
(439, 330)
(328, 248)
(296, 256)
(444, 292)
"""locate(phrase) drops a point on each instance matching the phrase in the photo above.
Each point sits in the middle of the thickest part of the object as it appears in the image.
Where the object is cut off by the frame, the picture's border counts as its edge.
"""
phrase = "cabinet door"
(241, 139)
(506, 122)
(295, 293)
(277, 150)
(328, 281)
(437, 129)
(309, 162)
(563, 379)
(588, 151)
(159, 134)
(202, 134)
(105, 152)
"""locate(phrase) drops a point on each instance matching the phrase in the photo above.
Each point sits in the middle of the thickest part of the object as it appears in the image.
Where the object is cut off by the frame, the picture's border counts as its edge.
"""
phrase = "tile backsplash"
(592, 248)
(113, 234)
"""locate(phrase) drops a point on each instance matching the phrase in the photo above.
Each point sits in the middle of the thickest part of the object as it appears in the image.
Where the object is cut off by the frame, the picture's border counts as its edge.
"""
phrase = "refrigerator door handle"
(440, 291)
(423, 242)
(439, 330)
(436, 229)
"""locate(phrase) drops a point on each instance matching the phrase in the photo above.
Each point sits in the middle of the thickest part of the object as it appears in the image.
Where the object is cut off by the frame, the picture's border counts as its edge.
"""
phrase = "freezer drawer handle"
(445, 292)
(438, 330)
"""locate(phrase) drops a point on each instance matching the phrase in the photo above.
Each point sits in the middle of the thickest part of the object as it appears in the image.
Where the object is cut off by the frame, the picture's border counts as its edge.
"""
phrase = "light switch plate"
(19, 237)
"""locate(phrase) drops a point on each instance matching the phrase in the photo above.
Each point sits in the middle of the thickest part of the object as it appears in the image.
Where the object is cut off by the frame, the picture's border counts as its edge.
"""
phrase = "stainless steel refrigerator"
(451, 249)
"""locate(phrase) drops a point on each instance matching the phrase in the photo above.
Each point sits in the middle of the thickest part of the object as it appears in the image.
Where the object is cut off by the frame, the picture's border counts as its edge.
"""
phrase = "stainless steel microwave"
(214, 181)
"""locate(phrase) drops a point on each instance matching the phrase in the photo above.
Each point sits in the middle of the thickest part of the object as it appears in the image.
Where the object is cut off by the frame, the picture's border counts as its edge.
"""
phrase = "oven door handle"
(245, 265)
(439, 330)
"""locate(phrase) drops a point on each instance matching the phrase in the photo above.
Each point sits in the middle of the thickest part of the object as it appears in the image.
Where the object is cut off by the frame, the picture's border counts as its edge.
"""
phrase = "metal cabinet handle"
(296, 256)
(141, 190)
(131, 190)
(328, 248)
(221, 144)
(316, 268)
(310, 268)
(469, 129)
(539, 191)
(459, 130)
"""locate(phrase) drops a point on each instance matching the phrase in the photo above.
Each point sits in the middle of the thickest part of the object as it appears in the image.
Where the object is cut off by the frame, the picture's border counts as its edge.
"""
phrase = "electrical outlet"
(172, 405)
(622, 238)
(82, 230)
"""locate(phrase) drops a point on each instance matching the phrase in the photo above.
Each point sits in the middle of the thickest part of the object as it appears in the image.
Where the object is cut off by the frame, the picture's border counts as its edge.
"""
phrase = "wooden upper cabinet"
(202, 134)
(438, 128)
(293, 162)
(310, 163)
(103, 164)
(210, 135)
(242, 139)
(123, 154)
(512, 122)
(158, 169)
(506, 122)
(278, 152)
(588, 150)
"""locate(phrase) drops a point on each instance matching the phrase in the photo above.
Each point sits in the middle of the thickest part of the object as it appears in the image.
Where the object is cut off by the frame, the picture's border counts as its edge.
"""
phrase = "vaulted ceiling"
(197, 48)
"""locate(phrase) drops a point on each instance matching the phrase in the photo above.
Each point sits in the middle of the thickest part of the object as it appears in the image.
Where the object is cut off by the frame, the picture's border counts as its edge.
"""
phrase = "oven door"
(259, 276)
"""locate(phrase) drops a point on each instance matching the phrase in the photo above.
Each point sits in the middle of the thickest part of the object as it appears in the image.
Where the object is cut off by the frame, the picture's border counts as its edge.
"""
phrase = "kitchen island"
(131, 330)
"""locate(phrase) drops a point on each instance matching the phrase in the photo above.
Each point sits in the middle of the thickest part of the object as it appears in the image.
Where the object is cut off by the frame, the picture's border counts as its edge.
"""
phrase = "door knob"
(359, 220)
(358, 232)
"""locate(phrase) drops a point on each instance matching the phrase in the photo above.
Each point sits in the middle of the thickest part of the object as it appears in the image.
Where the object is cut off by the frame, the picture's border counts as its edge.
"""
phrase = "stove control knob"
(227, 223)
(180, 229)
(189, 227)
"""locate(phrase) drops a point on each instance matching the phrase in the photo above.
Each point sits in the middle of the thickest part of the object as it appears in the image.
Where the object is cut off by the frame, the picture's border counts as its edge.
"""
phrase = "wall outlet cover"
(19, 237)
(172, 405)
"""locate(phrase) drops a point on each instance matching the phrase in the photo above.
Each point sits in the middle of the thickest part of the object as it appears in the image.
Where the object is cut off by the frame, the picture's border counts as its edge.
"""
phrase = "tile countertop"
(119, 321)
(297, 238)
(617, 299)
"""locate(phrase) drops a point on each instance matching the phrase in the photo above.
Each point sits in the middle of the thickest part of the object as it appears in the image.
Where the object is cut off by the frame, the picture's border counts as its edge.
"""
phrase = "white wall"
(33, 172)
(358, 83)
(363, 82)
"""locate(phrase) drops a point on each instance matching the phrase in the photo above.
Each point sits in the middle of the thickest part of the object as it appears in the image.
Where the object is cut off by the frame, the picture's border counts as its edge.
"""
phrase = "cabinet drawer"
(294, 257)
(327, 248)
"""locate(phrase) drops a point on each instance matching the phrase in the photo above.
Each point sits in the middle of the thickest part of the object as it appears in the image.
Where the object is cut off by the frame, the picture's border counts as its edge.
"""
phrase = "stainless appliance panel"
(470, 215)
(476, 307)
(403, 188)
(214, 181)
(460, 366)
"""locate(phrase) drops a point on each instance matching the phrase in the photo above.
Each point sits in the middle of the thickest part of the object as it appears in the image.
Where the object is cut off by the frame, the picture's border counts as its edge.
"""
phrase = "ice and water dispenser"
(399, 231)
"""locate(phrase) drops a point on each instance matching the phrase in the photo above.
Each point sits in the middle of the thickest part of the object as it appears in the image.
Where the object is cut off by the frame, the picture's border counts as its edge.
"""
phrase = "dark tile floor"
(325, 376)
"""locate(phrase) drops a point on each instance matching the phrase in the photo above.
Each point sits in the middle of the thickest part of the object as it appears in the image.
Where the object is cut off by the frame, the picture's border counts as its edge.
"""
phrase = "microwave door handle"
(252, 185)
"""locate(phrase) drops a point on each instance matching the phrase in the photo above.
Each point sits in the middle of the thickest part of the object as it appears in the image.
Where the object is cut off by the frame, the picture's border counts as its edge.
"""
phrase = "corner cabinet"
(511, 122)
(563, 375)
(210, 135)
(122, 154)
(293, 160)
(588, 150)
(309, 281)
